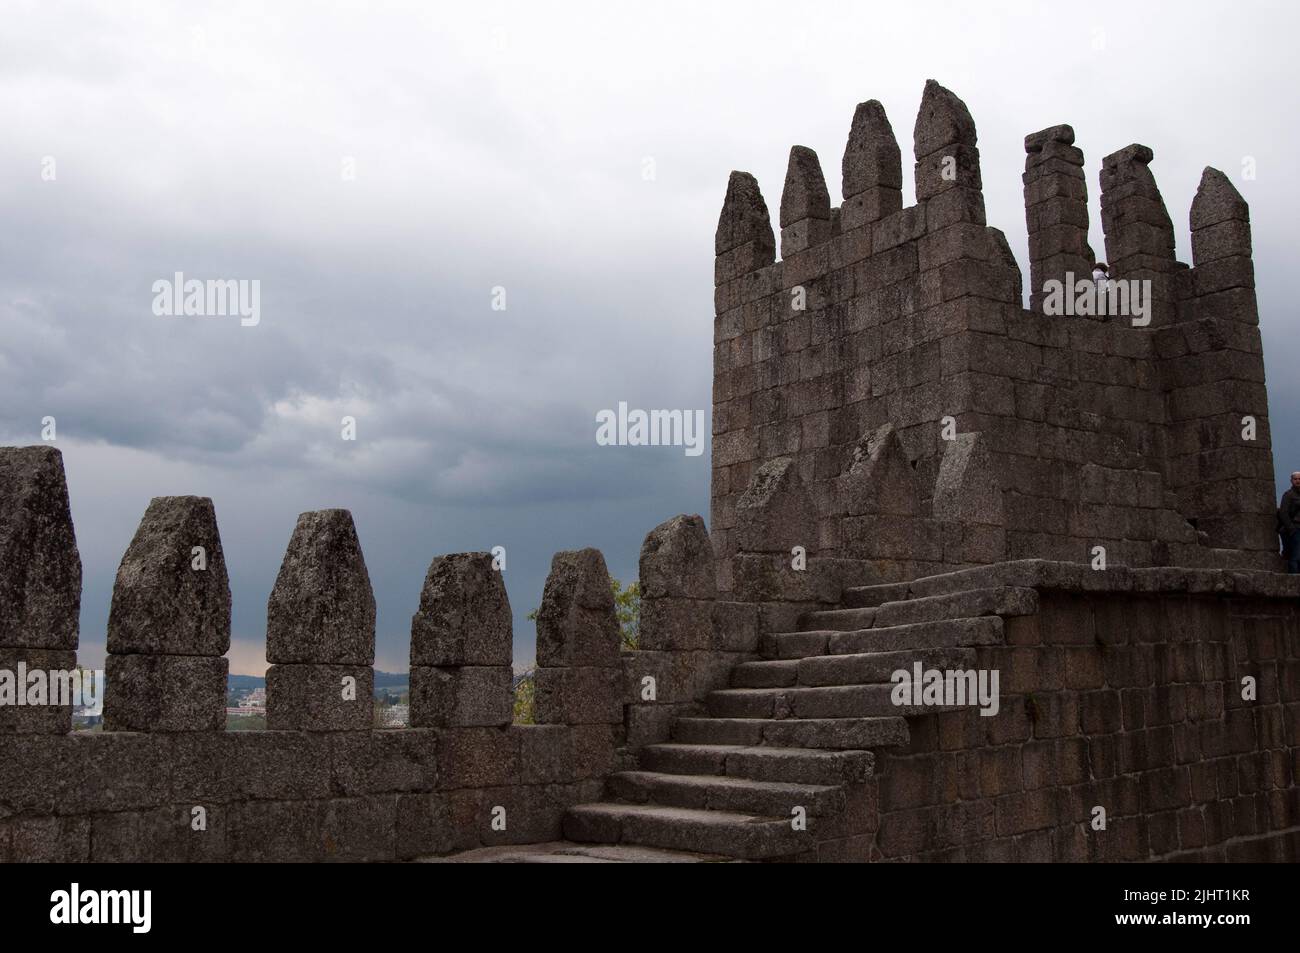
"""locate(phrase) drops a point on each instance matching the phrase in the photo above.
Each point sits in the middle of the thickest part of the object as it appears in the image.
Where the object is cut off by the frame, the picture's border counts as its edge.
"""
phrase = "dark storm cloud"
(499, 146)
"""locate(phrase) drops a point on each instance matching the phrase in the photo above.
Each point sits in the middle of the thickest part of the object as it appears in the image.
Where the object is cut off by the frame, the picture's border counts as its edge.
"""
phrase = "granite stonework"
(910, 468)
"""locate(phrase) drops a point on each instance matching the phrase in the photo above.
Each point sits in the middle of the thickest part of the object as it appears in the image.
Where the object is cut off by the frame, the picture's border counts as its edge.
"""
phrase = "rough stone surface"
(745, 218)
(581, 695)
(805, 194)
(165, 693)
(322, 609)
(915, 327)
(309, 697)
(163, 603)
(40, 569)
(469, 695)
(464, 616)
(919, 426)
(576, 622)
(871, 158)
(677, 560)
(17, 668)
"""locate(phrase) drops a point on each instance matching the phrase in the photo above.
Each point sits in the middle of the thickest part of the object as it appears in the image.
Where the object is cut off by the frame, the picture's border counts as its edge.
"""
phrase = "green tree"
(627, 607)
(525, 700)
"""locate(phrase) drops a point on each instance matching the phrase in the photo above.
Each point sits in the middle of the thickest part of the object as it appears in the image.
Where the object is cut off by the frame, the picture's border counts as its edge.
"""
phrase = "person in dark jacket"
(1288, 524)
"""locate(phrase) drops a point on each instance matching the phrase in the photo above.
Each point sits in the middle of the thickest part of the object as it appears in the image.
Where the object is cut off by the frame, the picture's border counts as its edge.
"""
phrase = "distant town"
(246, 704)
(246, 701)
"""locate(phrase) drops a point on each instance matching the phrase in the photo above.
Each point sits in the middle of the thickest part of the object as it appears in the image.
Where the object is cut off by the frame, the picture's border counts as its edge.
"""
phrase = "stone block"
(675, 624)
(546, 753)
(463, 696)
(677, 560)
(464, 616)
(172, 594)
(276, 832)
(384, 761)
(735, 627)
(30, 768)
(122, 771)
(165, 693)
(173, 834)
(423, 825)
(582, 695)
(44, 676)
(479, 757)
(40, 569)
(322, 609)
(576, 622)
(48, 840)
(319, 697)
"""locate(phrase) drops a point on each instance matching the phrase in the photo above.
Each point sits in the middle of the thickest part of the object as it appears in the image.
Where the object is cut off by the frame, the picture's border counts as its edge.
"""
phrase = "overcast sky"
(503, 146)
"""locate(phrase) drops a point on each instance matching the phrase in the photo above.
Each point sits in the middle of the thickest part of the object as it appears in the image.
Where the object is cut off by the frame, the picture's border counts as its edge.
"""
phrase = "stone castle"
(909, 468)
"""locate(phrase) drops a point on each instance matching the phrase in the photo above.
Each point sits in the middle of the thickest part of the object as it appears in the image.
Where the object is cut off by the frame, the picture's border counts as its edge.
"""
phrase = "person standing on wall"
(1288, 524)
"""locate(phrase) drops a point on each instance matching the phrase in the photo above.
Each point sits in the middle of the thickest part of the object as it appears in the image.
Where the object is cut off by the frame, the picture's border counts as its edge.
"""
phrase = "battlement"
(923, 419)
(165, 780)
(910, 469)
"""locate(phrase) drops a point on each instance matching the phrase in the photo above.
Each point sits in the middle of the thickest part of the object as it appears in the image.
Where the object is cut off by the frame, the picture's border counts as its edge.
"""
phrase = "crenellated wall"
(883, 399)
(166, 781)
(909, 467)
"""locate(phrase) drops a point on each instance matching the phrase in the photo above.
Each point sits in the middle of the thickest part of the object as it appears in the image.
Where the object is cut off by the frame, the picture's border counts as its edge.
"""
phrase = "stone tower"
(884, 399)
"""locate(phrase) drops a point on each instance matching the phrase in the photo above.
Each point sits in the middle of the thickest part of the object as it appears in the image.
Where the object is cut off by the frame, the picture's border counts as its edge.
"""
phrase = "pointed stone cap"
(163, 602)
(967, 489)
(804, 195)
(322, 609)
(880, 479)
(872, 158)
(576, 622)
(942, 120)
(677, 561)
(464, 616)
(776, 512)
(1001, 252)
(744, 217)
(1217, 200)
(40, 568)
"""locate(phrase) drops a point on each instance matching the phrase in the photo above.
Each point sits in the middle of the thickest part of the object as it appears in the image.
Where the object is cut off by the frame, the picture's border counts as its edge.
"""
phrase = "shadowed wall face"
(923, 420)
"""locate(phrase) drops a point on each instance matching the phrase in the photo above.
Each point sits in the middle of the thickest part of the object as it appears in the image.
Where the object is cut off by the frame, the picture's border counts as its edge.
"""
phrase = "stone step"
(848, 669)
(838, 619)
(719, 731)
(758, 763)
(945, 633)
(715, 793)
(918, 637)
(561, 852)
(776, 673)
(832, 733)
(832, 701)
(874, 667)
(999, 601)
(794, 645)
(746, 836)
(868, 597)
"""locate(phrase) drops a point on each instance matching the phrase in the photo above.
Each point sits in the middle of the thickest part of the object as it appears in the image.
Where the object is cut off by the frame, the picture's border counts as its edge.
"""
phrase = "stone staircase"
(796, 729)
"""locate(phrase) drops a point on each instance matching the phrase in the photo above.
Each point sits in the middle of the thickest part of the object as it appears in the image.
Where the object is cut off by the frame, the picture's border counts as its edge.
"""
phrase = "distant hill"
(243, 683)
(384, 680)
